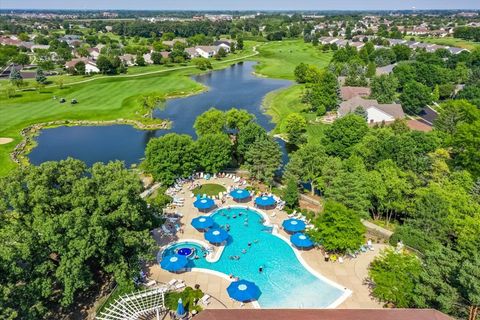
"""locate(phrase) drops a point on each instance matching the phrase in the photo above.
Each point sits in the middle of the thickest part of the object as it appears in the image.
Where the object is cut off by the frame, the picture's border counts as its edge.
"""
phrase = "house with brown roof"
(347, 93)
(90, 66)
(385, 69)
(376, 112)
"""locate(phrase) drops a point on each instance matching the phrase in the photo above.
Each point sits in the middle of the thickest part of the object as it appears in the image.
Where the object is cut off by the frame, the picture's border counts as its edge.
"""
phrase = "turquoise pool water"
(284, 282)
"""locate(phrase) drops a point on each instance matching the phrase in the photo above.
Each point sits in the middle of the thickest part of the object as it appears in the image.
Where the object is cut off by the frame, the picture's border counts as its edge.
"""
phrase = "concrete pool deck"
(350, 274)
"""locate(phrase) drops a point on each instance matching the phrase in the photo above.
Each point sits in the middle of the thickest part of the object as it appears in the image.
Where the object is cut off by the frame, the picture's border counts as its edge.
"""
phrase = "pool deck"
(350, 274)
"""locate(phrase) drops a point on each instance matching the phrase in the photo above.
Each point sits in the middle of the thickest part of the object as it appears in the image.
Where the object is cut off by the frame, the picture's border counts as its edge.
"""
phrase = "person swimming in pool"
(255, 241)
(249, 244)
(260, 269)
(244, 251)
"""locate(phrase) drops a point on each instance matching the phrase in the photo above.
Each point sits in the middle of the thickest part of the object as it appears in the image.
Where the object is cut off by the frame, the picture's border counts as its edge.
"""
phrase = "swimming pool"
(284, 281)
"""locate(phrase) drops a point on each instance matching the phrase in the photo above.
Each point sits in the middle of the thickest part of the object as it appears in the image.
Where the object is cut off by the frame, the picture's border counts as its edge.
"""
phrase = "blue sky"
(242, 4)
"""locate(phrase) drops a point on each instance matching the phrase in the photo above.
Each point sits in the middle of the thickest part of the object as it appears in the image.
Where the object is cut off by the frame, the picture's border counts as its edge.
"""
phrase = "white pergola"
(136, 306)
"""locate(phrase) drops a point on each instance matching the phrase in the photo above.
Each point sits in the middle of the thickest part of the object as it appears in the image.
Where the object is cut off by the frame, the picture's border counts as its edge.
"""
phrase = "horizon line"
(243, 10)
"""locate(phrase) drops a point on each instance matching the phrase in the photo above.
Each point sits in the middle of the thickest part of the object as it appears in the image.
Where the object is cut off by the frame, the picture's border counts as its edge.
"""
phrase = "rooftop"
(322, 314)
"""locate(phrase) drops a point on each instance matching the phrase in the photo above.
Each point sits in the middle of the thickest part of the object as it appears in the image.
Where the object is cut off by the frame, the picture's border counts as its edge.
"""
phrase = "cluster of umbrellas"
(298, 239)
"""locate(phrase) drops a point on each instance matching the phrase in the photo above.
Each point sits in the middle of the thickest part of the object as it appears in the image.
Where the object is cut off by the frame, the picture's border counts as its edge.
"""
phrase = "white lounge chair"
(172, 282)
(205, 299)
(180, 285)
(151, 283)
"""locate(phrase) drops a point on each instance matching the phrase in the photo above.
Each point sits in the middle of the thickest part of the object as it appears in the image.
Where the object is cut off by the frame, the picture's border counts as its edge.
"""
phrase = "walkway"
(350, 274)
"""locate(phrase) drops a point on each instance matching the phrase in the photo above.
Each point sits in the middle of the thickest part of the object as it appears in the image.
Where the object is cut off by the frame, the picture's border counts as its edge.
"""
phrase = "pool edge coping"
(346, 292)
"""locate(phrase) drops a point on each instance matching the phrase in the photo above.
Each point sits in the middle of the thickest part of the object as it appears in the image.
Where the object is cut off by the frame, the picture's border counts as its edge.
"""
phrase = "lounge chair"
(273, 215)
(172, 282)
(205, 299)
(180, 285)
(151, 283)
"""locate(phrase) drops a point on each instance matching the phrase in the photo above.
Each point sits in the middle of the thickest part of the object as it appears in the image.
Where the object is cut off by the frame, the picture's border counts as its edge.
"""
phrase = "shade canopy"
(293, 225)
(202, 222)
(301, 240)
(243, 291)
(240, 194)
(174, 262)
(265, 201)
(203, 203)
(216, 235)
(180, 309)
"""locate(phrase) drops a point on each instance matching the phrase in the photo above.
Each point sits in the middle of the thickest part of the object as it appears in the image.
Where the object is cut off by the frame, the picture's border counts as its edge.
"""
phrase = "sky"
(241, 4)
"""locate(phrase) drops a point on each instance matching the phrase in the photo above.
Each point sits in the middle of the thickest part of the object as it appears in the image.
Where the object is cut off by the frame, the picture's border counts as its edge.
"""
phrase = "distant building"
(376, 112)
(347, 93)
(90, 66)
(385, 70)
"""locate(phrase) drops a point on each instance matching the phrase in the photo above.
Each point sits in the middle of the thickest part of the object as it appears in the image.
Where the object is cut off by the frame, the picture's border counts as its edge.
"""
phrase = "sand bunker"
(5, 140)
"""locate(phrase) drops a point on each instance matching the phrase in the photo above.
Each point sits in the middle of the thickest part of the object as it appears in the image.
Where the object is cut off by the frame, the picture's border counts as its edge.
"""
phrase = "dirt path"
(5, 140)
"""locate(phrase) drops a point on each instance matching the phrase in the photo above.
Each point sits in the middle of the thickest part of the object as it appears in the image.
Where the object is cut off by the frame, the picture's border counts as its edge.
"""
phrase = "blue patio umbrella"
(180, 309)
(243, 291)
(203, 203)
(174, 263)
(216, 235)
(240, 194)
(293, 225)
(202, 222)
(301, 241)
(265, 201)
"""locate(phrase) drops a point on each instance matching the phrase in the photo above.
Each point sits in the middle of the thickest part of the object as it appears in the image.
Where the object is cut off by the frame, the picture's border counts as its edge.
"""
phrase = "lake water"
(234, 86)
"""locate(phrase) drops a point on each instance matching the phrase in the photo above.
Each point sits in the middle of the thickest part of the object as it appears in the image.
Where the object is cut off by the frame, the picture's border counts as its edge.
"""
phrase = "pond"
(234, 86)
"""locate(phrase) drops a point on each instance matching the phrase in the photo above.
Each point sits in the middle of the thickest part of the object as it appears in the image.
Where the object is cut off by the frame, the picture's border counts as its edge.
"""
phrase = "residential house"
(226, 42)
(206, 51)
(328, 40)
(90, 66)
(128, 59)
(94, 53)
(376, 112)
(192, 52)
(347, 93)
(454, 50)
(10, 41)
(394, 42)
(385, 70)
(357, 45)
(148, 58)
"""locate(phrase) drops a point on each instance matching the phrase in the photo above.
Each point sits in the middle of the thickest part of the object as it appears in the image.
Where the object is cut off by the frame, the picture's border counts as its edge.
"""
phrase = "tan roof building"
(376, 112)
(347, 93)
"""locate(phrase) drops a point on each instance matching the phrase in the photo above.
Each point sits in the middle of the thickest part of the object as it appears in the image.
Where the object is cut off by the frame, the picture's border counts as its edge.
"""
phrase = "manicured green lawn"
(451, 42)
(279, 59)
(279, 104)
(210, 189)
(103, 98)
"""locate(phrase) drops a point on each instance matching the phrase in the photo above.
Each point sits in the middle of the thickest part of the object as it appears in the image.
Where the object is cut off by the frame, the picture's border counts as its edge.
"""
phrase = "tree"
(436, 93)
(157, 57)
(202, 63)
(291, 195)
(170, 157)
(40, 76)
(343, 134)
(323, 95)
(222, 53)
(150, 103)
(240, 43)
(300, 72)
(237, 119)
(247, 136)
(384, 88)
(210, 122)
(394, 276)
(296, 127)
(52, 250)
(306, 164)
(21, 58)
(9, 91)
(16, 77)
(213, 151)
(391, 188)
(371, 70)
(465, 142)
(454, 112)
(140, 60)
(80, 68)
(263, 158)
(402, 52)
(384, 56)
(60, 81)
(338, 229)
(415, 97)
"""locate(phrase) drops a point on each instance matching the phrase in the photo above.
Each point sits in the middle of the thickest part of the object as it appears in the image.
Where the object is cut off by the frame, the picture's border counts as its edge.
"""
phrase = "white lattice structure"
(135, 306)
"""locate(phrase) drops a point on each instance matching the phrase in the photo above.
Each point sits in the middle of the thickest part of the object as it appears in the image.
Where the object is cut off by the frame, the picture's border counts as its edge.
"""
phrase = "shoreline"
(21, 150)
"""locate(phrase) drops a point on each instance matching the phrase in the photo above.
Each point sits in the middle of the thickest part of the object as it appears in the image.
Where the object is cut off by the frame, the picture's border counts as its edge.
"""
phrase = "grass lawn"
(210, 189)
(279, 59)
(451, 42)
(279, 104)
(102, 98)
